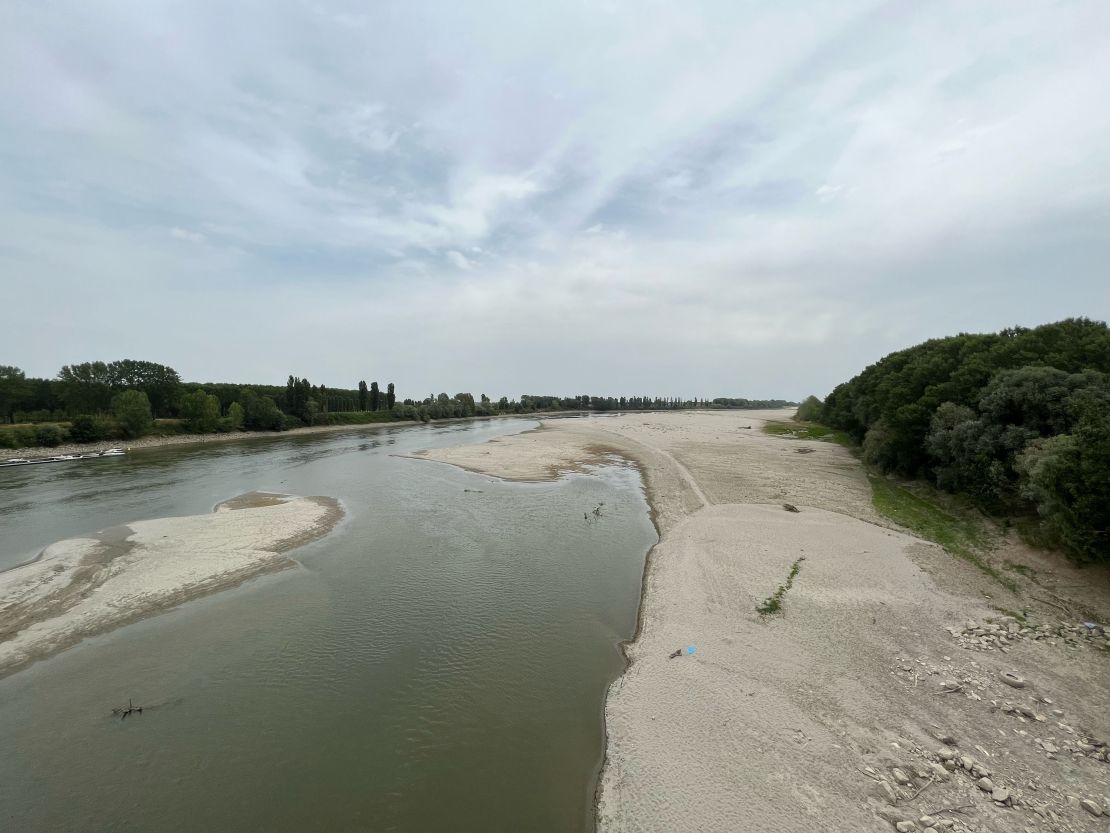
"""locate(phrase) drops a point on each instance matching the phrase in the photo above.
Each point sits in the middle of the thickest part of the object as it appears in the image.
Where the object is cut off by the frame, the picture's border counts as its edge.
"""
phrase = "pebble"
(905, 827)
(1000, 794)
(900, 777)
(927, 821)
(985, 784)
(946, 754)
(1090, 807)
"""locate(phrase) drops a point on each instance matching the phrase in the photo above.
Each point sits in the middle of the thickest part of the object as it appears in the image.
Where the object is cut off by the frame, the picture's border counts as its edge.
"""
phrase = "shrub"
(809, 410)
(84, 429)
(48, 435)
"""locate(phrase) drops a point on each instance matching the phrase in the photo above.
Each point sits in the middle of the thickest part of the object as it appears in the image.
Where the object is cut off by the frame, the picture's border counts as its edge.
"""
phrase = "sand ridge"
(830, 715)
(83, 586)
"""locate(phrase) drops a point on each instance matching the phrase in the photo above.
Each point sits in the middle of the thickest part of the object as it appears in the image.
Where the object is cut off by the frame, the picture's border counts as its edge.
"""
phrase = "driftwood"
(131, 709)
(790, 507)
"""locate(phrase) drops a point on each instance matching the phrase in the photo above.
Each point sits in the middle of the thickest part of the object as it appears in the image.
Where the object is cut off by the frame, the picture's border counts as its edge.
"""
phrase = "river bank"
(80, 587)
(857, 704)
(41, 453)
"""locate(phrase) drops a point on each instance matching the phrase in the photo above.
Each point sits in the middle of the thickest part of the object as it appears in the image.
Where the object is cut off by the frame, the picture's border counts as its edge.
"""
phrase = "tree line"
(125, 399)
(1018, 420)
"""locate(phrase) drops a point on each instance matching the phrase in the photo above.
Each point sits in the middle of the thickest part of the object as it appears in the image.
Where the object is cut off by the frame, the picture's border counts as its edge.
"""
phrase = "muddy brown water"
(438, 662)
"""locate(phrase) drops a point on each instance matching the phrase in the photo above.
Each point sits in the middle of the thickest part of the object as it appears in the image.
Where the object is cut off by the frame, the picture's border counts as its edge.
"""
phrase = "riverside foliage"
(125, 399)
(1017, 420)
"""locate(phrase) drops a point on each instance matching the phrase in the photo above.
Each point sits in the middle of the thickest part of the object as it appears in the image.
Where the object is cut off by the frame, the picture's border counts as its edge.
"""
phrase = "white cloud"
(185, 234)
(459, 259)
(707, 194)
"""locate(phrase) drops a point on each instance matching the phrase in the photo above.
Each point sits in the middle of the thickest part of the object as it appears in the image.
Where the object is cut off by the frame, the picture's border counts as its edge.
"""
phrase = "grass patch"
(807, 431)
(960, 533)
(773, 603)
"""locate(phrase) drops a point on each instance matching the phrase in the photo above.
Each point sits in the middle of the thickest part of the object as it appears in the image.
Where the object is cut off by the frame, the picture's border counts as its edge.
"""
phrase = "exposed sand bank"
(828, 716)
(83, 586)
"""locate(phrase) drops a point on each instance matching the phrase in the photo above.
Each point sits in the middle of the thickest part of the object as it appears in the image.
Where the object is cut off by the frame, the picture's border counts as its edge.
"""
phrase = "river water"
(438, 663)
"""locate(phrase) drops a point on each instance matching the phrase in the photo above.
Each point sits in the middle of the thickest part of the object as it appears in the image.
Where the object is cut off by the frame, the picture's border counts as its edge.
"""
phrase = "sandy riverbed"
(830, 715)
(89, 585)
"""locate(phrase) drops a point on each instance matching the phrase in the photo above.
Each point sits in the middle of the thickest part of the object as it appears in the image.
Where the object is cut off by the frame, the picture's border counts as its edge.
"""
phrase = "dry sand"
(830, 715)
(84, 586)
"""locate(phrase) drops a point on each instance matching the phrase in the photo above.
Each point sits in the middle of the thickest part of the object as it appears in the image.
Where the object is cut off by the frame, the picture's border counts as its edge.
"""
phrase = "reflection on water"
(438, 663)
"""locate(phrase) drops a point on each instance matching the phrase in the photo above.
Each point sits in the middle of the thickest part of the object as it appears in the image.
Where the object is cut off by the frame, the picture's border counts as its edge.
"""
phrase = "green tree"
(201, 411)
(390, 396)
(375, 396)
(809, 410)
(132, 410)
(466, 403)
(1068, 479)
(363, 396)
(311, 409)
(261, 413)
(235, 415)
(13, 390)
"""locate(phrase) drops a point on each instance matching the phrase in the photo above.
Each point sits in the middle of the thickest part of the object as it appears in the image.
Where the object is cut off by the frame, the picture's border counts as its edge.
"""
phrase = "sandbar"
(83, 586)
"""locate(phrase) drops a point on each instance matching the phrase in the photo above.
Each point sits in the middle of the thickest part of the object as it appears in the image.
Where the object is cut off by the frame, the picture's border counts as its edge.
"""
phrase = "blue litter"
(690, 649)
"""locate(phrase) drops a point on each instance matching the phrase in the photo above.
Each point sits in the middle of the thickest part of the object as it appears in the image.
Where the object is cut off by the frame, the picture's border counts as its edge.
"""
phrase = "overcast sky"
(669, 198)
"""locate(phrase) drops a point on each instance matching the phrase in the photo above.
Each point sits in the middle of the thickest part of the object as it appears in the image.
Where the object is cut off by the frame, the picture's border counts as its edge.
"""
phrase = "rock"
(790, 507)
(950, 766)
(985, 784)
(900, 777)
(939, 772)
(894, 815)
(1050, 748)
(1011, 679)
(905, 827)
(946, 754)
(1000, 794)
(1090, 807)
(927, 821)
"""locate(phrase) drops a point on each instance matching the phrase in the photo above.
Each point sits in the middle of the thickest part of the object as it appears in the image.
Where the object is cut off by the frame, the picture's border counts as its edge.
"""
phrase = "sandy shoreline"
(828, 716)
(83, 586)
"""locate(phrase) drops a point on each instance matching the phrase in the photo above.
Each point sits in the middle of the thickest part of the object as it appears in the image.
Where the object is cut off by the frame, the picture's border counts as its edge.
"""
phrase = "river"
(438, 663)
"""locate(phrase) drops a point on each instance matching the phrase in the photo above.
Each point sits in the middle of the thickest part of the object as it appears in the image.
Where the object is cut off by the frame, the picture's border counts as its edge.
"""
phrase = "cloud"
(185, 234)
(716, 196)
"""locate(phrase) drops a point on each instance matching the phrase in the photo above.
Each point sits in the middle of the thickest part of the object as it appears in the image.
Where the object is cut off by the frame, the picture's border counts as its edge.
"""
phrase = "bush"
(48, 435)
(84, 429)
(809, 410)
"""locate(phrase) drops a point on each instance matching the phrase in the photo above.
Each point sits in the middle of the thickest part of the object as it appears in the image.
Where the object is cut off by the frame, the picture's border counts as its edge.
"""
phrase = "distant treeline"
(128, 398)
(1018, 420)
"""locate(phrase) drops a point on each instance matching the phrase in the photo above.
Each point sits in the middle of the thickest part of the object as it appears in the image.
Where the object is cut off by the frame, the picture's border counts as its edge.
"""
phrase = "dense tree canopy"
(1016, 419)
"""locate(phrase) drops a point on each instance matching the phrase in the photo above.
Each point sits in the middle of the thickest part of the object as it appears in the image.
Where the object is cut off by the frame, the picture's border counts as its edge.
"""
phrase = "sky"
(656, 198)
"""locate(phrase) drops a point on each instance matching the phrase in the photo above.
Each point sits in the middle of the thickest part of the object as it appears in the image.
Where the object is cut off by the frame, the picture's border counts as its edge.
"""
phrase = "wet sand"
(84, 586)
